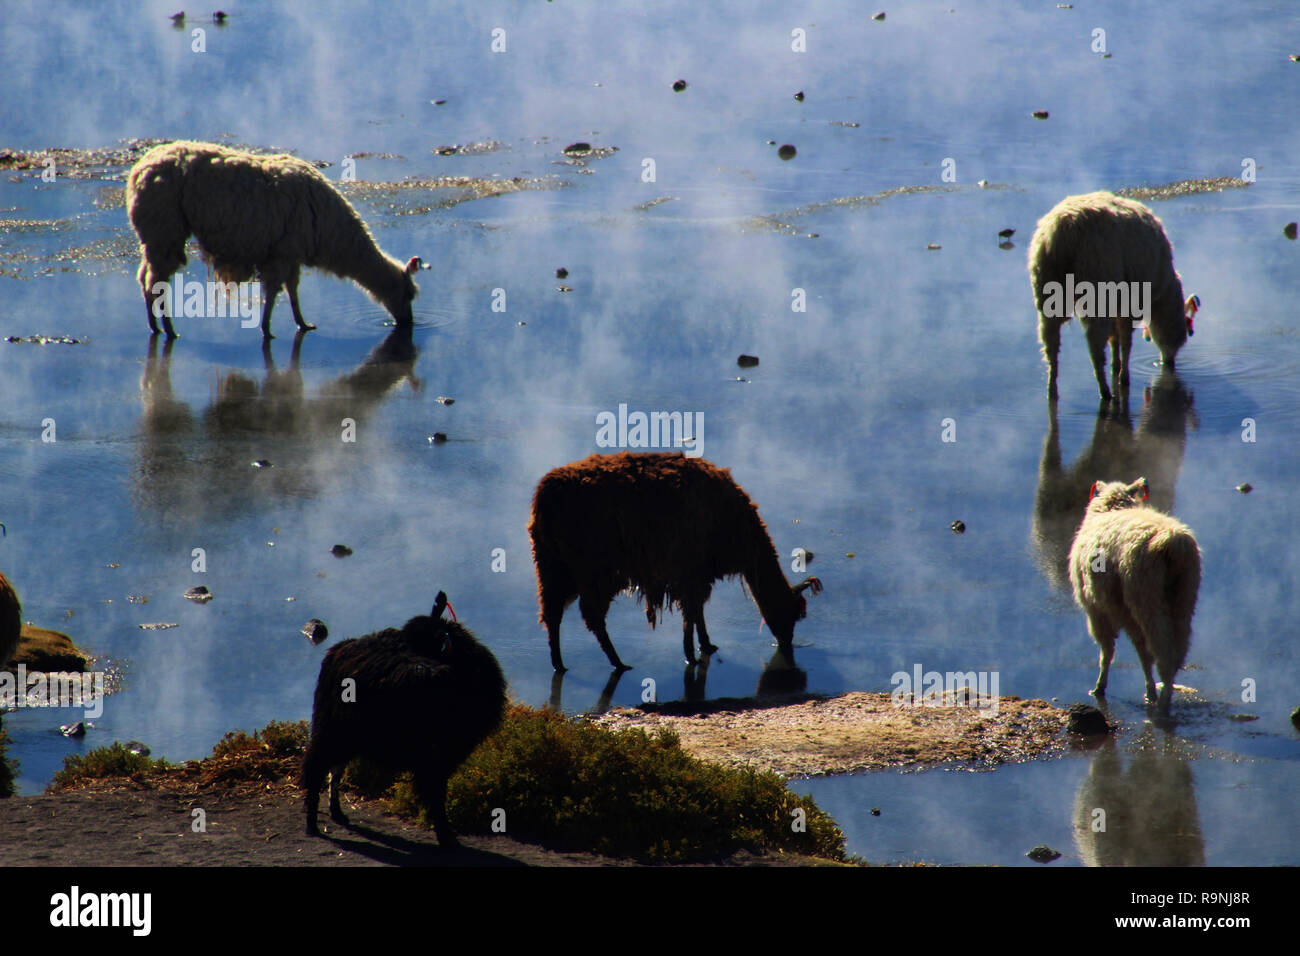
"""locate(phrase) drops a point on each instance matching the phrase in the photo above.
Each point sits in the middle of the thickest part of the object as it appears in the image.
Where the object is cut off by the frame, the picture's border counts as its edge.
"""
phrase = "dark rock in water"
(1245, 488)
(679, 86)
(1290, 230)
(1088, 720)
(438, 438)
(199, 595)
(74, 730)
(137, 748)
(316, 630)
(958, 527)
(561, 273)
(875, 811)
(799, 96)
(445, 400)
(1295, 718)
(564, 288)
(879, 16)
(159, 626)
(340, 550)
(1006, 233)
(1043, 854)
(1040, 114)
(747, 361)
(1243, 718)
(574, 149)
(787, 152)
(261, 463)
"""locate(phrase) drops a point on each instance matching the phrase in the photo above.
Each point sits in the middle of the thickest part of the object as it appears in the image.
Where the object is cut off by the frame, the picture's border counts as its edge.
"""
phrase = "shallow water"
(837, 434)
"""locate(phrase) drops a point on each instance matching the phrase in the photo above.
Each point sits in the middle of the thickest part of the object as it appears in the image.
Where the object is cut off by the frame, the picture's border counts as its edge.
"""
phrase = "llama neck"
(770, 588)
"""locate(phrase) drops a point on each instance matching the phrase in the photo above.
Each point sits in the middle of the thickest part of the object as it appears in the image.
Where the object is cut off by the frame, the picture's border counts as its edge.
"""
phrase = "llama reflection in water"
(1116, 452)
(194, 467)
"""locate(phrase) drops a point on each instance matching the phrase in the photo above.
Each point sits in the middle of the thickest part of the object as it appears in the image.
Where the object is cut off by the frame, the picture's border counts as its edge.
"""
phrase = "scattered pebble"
(340, 551)
(747, 361)
(875, 811)
(982, 183)
(1042, 854)
(137, 599)
(218, 16)
(850, 554)
(74, 730)
(261, 463)
(1295, 718)
(445, 400)
(771, 142)
(561, 273)
(438, 102)
(158, 626)
(958, 527)
(113, 564)
(1245, 488)
(437, 438)
(799, 96)
(879, 16)
(1006, 233)
(1289, 230)
(1040, 114)
(934, 246)
(315, 630)
(199, 595)
(45, 340)
(679, 85)
(1295, 57)
(787, 152)
(576, 149)
(564, 288)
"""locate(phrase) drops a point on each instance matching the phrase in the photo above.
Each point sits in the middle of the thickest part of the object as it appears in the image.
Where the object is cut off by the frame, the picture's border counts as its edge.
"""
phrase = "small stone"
(315, 630)
(561, 273)
(1006, 233)
(850, 554)
(445, 400)
(340, 551)
(1040, 114)
(576, 148)
(564, 288)
(799, 96)
(262, 463)
(1042, 854)
(437, 438)
(158, 626)
(1245, 488)
(958, 527)
(438, 102)
(747, 361)
(114, 564)
(1087, 720)
(74, 730)
(1295, 718)
(199, 595)
(679, 85)
(879, 16)
(787, 152)
(934, 246)
(1290, 230)
(983, 183)
(875, 811)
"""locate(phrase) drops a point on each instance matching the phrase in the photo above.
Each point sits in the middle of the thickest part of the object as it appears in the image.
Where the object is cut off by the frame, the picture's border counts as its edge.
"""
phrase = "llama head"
(398, 300)
(1114, 495)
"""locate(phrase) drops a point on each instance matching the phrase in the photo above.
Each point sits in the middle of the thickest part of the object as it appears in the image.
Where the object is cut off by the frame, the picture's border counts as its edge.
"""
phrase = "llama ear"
(413, 265)
(439, 605)
(1142, 488)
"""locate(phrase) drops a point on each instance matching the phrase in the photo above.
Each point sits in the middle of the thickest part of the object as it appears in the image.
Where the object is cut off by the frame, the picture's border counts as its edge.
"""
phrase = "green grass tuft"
(572, 785)
(279, 738)
(113, 761)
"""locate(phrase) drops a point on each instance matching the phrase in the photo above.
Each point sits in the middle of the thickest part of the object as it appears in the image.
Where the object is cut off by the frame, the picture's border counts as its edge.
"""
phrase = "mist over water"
(836, 434)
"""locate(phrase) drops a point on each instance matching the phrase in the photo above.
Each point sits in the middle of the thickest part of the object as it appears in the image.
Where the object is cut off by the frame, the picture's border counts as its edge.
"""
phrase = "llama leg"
(157, 268)
(706, 646)
(1104, 633)
(1049, 333)
(1097, 349)
(313, 776)
(291, 286)
(1160, 651)
(688, 638)
(554, 597)
(1120, 353)
(1141, 644)
(431, 786)
(594, 607)
(270, 289)
(336, 808)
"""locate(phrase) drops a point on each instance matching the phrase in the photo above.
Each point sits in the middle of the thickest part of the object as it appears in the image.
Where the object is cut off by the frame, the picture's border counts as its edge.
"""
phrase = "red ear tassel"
(1092, 491)
(452, 610)
(1146, 490)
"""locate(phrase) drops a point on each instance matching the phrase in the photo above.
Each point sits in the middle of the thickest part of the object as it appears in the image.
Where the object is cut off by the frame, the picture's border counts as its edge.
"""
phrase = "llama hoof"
(709, 649)
(312, 829)
(306, 327)
(339, 817)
